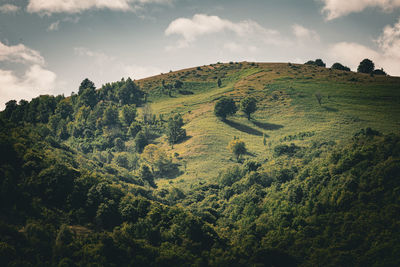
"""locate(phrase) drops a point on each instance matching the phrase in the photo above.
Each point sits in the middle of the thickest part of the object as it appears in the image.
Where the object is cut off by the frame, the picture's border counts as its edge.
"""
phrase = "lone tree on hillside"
(248, 105)
(366, 66)
(219, 82)
(318, 96)
(338, 66)
(175, 132)
(224, 107)
(237, 147)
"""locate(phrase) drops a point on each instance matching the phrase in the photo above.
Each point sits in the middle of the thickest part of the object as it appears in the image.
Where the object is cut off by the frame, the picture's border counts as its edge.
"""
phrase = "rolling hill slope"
(287, 108)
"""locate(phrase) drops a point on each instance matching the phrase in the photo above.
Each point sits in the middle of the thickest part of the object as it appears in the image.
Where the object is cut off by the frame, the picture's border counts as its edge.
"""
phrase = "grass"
(286, 106)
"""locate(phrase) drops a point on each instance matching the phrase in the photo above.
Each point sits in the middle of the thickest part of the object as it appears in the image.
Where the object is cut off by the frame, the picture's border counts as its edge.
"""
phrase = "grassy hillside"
(288, 111)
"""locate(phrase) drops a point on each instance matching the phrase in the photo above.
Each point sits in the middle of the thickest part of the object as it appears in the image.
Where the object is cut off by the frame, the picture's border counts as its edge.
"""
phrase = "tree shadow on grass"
(331, 109)
(267, 126)
(243, 128)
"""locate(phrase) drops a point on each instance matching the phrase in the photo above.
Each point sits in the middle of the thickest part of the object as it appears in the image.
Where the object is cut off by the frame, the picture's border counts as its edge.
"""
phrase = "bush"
(338, 66)
(286, 150)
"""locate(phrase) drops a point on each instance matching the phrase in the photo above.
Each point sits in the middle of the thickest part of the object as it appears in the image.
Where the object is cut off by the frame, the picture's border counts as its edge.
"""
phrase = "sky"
(50, 46)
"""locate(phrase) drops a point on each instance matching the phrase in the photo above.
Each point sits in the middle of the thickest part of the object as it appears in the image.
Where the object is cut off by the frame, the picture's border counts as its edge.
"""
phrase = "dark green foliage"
(110, 116)
(317, 62)
(379, 72)
(134, 129)
(86, 84)
(141, 141)
(248, 105)
(366, 66)
(219, 82)
(338, 66)
(128, 114)
(280, 150)
(175, 132)
(225, 107)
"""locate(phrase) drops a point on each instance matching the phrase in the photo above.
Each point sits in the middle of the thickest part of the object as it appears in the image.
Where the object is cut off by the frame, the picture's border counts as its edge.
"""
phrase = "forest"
(229, 164)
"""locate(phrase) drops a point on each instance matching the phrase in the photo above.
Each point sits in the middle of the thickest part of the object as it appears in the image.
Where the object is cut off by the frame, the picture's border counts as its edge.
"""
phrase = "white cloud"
(20, 54)
(77, 6)
(336, 8)
(239, 48)
(304, 34)
(110, 68)
(351, 54)
(34, 82)
(54, 26)
(9, 8)
(387, 55)
(201, 24)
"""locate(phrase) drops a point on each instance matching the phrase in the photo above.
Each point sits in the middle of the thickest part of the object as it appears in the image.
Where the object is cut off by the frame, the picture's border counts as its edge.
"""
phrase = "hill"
(140, 173)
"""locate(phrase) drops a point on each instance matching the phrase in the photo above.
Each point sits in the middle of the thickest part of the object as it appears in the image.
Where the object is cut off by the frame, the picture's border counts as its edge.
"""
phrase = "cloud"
(20, 54)
(336, 8)
(387, 54)
(110, 68)
(201, 24)
(54, 26)
(351, 54)
(77, 6)
(9, 8)
(34, 82)
(304, 34)
(239, 48)
(36, 79)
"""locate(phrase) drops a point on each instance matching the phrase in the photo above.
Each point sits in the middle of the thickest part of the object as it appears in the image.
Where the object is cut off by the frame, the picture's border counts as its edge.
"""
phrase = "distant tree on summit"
(248, 105)
(379, 72)
(366, 66)
(338, 66)
(318, 62)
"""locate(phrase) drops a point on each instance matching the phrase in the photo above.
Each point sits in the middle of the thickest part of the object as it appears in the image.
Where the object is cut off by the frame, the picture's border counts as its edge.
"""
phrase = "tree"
(175, 132)
(110, 116)
(338, 66)
(224, 107)
(366, 66)
(157, 158)
(219, 82)
(248, 105)
(318, 96)
(237, 147)
(128, 114)
(320, 63)
(86, 84)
